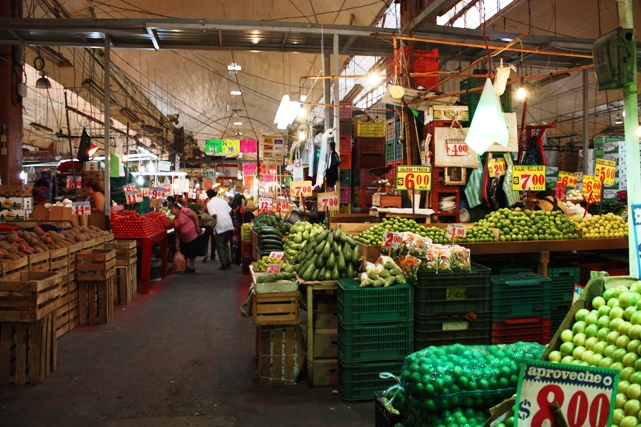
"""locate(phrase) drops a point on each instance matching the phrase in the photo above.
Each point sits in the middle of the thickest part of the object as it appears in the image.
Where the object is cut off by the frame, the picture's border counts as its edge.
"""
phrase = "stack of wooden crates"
(125, 286)
(96, 276)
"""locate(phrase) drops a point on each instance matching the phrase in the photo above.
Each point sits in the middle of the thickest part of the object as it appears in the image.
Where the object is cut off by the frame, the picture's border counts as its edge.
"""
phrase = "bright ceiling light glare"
(303, 98)
(374, 78)
(302, 136)
(233, 67)
(238, 123)
(235, 92)
(521, 93)
(140, 180)
(302, 113)
(255, 40)
(287, 111)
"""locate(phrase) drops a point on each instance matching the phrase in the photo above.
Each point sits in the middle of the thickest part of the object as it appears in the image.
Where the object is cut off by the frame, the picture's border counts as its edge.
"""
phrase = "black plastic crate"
(463, 328)
(359, 381)
(447, 293)
(563, 280)
(383, 416)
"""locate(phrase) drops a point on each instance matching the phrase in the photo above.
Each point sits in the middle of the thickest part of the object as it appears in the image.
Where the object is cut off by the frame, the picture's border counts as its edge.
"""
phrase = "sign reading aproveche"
(528, 178)
(414, 178)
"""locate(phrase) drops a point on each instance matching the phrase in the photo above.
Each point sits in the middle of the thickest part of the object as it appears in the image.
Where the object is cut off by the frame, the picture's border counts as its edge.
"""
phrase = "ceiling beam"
(437, 8)
(282, 44)
(220, 38)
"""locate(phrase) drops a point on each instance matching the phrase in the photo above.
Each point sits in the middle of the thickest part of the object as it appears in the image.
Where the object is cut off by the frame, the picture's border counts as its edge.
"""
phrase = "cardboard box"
(92, 166)
(325, 372)
(93, 174)
(326, 343)
(60, 213)
(16, 190)
(325, 315)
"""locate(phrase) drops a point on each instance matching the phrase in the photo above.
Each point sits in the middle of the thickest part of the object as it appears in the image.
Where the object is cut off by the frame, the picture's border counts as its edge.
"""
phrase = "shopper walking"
(219, 209)
(189, 240)
(209, 236)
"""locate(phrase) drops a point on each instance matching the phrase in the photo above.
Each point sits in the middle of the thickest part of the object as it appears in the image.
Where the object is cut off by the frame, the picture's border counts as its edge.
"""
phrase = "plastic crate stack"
(369, 153)
(424, 62)
(375, 334)
(563, 280)
(453, 308)
(521, 308)
(471, 99)
(346, 153)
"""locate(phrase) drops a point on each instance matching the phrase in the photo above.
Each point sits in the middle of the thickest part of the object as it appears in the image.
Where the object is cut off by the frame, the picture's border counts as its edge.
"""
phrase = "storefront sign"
(328, 201)
(569, 179)
(457, 147)
(591, 188)
(414, 178)
(81, 208)
(585, 394)
(71, 185)
(528, 178)
(265, 203)
(456, 231)
(164, 166)
(496, 167)
(605, 170)
(300, 188)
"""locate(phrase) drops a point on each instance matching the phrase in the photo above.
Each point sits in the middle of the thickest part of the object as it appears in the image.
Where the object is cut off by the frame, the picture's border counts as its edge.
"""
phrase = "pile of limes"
(520, 225)
(602, 226)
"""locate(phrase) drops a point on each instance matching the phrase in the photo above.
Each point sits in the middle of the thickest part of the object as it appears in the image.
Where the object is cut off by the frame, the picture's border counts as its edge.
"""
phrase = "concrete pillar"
(10, 102)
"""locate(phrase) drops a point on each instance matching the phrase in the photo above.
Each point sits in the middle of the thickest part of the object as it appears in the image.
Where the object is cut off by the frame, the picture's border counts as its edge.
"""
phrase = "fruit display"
(131, 225)
(299, 235)
(606, 207)
(609, 336)
(572, 209)
(329, 255)
(264, 262)
(270, 230)
(519, 225)
(574, 194)
(602, 226)
(286, 275)
(270, 220)
(458, 416)
(196, 207)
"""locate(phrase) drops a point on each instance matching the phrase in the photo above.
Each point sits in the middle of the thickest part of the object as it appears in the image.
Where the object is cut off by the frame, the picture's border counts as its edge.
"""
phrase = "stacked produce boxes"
(369, 152)
(375, 333)
(325, 342)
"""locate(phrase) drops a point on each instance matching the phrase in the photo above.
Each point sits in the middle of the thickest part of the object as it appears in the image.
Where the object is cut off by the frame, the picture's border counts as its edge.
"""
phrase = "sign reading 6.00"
(414, 178)
(528, 178)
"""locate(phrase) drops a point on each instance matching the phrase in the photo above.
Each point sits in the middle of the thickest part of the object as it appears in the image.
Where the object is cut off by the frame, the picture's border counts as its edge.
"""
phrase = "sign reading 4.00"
(414, 178)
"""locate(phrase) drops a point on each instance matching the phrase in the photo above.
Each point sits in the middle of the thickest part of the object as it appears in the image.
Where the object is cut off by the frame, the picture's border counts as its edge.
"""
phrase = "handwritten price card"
(81, 208)
(528, 178)
(281, 206)
(568, 179)
(457, 148)
(605, 170)
(456, 231)
(157, 193)
(133, 198)
(496, 167)
(414, 178)
(276, 255)
(231, 146)
(300, 188)
(71, 184)
(391, 239)
(328, 201)
(265, 203)
(273, 268)
(591, 188)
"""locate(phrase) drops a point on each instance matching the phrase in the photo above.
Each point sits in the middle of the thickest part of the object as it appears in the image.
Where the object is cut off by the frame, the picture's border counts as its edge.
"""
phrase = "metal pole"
(632, 158)
(327, 87)
(73, 165)
(337, 118)
(586, 138)
(107, 130)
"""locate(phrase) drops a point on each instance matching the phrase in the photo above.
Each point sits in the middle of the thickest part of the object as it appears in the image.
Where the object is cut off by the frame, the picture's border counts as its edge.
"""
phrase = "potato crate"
(276, 308)
(39, 262)
(74, 302)
(375, 342)
(95, 301)
(96, 264)
(31, 297)
(58, 259)
(61, 315)
(88, 244)
(28, 351)
(12, 270)
(125, 285)
(281, 355)
(521, 295)
(383, 416)
(462, 328)
(359, 381)
(72, 251)
(446, 293)
(126, 251)
(358, 305)
(526, 329)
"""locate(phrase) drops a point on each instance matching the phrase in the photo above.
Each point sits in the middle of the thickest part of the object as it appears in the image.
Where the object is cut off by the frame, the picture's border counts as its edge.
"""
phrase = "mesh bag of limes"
(456, 377)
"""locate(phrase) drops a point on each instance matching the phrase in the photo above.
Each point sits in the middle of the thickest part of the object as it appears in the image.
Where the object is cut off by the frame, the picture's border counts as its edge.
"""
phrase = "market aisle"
(180, 356)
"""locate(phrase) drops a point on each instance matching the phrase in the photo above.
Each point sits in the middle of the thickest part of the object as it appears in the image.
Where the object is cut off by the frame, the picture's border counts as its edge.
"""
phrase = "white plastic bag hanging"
(298, 165)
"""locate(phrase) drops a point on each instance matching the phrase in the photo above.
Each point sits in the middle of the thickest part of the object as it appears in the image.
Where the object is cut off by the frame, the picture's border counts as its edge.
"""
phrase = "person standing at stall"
(188, 235)
(219, 209)
(97, 196)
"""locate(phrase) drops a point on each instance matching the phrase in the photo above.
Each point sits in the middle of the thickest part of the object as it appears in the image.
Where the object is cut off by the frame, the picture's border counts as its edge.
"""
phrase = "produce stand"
(144, 269)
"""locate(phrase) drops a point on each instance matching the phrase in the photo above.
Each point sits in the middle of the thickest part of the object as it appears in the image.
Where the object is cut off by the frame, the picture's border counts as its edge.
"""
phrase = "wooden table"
(144, 261)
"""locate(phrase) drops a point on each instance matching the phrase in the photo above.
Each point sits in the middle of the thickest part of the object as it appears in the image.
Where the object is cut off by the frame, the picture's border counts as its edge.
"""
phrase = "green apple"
(577, 353)
(635, 378)
(567, 335)
(567, 348)
(591, 342)
(635, 331)
(636, 318)
(587, 355)
(593, 318)
(591, 330)
(628, 299)
(626, 373)
(632, 407)
(604, 310)
(633, 346)
(629, 312)
(619, 290)
(616, 313)
(602, 334)
(623, 386)
(567, 360)
(599, 347)
(606, 362)
(555, 356)
(613, 302)
(617, 365)
(629, 359)
(578, 328)
(633, 392)
(629, 421)
(618, 354)
(581, 314)
(579, 339)
(607, 294)
(603, 322)
(595, 360)
(612, 337)
(624, 328)
(609, 350)
(623, 341)
(621, 398)
(619, 414)
(598, 302)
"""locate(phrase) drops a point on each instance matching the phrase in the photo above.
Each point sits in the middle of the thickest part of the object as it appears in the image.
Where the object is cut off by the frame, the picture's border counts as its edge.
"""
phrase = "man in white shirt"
(219, 209)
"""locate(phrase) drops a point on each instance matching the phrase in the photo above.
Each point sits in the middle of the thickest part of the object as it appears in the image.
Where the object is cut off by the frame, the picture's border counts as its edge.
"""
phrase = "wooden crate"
(28, 351)
(29, 299)
(109, 238)
(280, 355)
(95, 301)
(12, 270)
(58, 259)
(62, 312)
(369, 253)
(353, 228)
(276, 309)
(88, 244)
(98, 264)
(125, 285)
(39, 262)
(73, 250)
(73, 312)
(126, 251)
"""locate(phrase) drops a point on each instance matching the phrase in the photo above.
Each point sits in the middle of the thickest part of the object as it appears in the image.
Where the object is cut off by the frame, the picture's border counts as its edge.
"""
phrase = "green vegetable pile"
(446, 377)
(517, 225)
(286, 275)
(455, 417)
(299, 235)
(270, 230)
(196, 207)
(329, 255)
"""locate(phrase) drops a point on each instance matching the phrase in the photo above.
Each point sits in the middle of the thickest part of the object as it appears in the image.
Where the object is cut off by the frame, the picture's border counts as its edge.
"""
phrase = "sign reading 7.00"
(414, 178)
(528, 178)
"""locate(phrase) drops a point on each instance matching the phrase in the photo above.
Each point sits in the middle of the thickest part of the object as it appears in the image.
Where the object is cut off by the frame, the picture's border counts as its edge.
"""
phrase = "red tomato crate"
(527, 329)
(613, 268)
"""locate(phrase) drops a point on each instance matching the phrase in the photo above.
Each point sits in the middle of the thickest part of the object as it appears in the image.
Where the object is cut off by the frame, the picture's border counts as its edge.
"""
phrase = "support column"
(586, 137)
(107, 78)
(10, 103)
(327, 83)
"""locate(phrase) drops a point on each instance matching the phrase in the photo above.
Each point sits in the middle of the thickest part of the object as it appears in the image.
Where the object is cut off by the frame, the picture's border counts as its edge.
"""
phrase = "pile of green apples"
(609, 336)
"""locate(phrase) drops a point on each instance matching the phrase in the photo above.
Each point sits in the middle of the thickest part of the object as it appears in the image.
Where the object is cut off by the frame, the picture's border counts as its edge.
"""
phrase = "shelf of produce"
(144, 269)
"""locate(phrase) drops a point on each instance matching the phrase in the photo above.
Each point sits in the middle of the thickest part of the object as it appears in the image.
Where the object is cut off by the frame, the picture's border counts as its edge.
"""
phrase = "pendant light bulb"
(521, 93)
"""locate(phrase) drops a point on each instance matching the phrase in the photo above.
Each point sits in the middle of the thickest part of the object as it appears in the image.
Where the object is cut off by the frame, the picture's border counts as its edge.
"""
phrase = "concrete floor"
(179, 356)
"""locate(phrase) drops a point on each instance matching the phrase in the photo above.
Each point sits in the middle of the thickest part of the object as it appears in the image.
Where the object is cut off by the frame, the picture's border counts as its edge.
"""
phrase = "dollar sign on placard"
(524, 413)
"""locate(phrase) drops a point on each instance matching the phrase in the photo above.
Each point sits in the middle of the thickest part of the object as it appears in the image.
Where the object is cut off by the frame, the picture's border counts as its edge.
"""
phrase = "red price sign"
(133, 198)
(273, 268)
(456, 231)
(414, 178)
(585, 394)
(392, 239)
(265, 203)
(71, 185)
(328, 201)
(276, 255)
(528, 178)
(130, 188)
(281, 206)
(157, 193)
(144, 192)
(569, 179)
(605, 170)
(300, 188)
(457, 148)
(81, 208)
(496, 167)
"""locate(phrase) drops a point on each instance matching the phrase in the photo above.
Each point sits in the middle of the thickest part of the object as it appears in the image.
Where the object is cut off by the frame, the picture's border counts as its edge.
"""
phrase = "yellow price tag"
(569, 179)
(605, 170)
(591, 188)
(231, 146)
(414, 178)
(300, 188)
(496, 167)
(328, 201)
(528, 178)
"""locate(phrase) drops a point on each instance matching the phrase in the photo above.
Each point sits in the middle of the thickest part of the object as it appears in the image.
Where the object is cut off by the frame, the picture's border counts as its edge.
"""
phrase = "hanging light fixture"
(43, 82)
(92, 150)
(618, 120)
(238, 123)
(488, 125)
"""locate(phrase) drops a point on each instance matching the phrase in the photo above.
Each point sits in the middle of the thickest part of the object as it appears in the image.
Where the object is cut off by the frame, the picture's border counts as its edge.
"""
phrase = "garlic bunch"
(66, 203)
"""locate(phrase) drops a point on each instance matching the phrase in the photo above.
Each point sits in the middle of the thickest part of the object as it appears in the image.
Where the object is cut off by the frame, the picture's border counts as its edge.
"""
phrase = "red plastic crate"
(365, 196)
(370, 146)
(346, 144)
(346, 195)
(613, 268)
(369, 161)
(347, 161)
(527, 329)
(345, 113)
(424, 61)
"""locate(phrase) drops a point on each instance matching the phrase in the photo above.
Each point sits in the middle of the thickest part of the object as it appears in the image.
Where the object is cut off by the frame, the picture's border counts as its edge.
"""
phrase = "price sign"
(585, 394)
(144, 192)
(281, 206)
(328, 201)
(456, 231)
(81, 208)
(73, 185)
(457, 148)
(265, 203)
(192, 195)
(273, 268)
(496, 167)
(130, 188)
(605, 170)
(276, 255)
(392, 239)
(414, 178)
(591, 188)
(300, 188)
(528, 178)
(568, 179)
(133, 198)
(157, 193)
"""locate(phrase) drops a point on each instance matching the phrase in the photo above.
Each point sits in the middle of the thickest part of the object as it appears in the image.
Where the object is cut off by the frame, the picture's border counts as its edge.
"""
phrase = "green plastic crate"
(360, 381)
(452, 329)
(361, 343)
(389, 151)
(358, 305)
(521, 295)
(346, 178)
(563, 280)
(447, 293)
